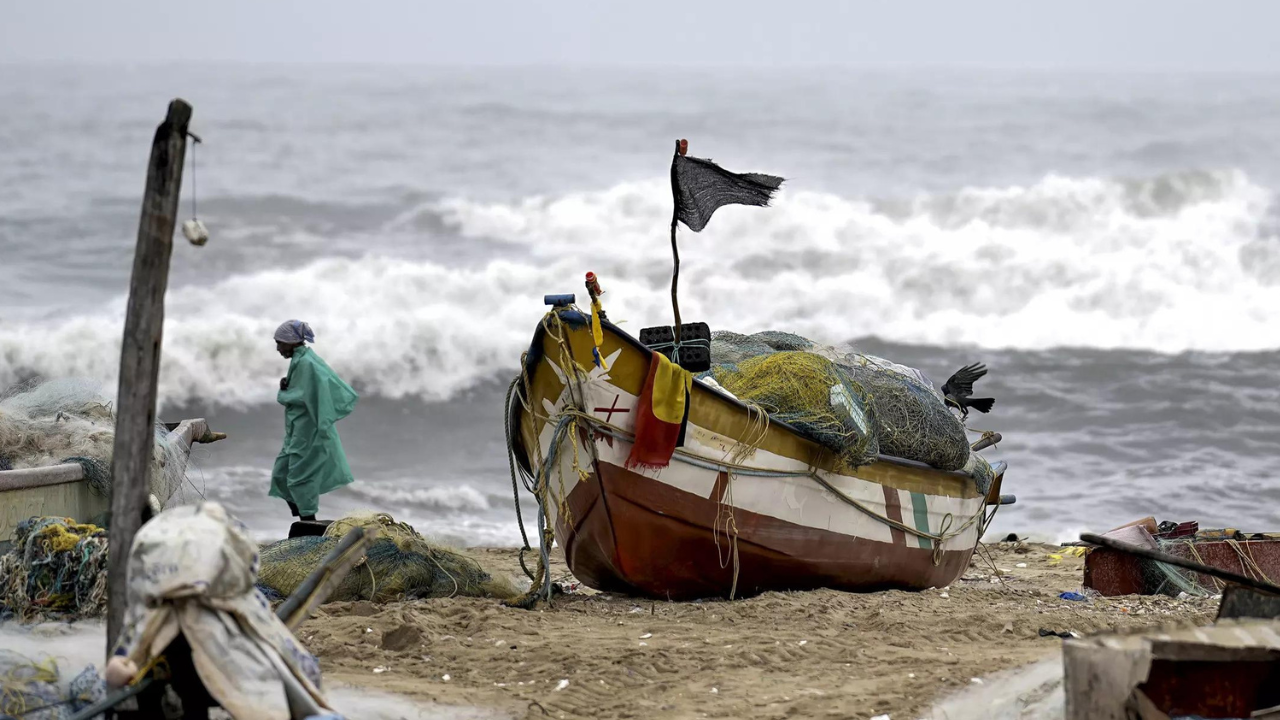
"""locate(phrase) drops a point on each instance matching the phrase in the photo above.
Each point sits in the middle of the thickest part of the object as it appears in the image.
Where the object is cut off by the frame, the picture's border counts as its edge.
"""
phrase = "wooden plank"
(140, 352)
(26, 478)
(75, 500)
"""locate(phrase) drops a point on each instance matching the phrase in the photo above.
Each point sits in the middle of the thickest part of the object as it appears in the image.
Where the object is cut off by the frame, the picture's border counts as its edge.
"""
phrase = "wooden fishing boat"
(743, 507)
(64, 491)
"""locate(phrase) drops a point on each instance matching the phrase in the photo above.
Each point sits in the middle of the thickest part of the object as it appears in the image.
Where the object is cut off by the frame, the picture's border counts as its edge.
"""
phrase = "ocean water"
(1106, 243)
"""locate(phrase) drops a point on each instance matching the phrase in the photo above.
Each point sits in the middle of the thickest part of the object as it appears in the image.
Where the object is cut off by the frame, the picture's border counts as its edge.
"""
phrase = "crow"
(959, 387)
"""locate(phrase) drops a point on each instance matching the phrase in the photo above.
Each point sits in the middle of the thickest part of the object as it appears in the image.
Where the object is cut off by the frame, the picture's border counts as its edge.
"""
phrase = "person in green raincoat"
(312, 461)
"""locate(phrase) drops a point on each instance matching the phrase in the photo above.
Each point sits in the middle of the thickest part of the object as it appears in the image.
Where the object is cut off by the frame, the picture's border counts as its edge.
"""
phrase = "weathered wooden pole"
(140, 353)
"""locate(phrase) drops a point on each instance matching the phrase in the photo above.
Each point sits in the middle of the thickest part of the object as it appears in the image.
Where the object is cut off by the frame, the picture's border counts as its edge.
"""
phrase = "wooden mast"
(140, 353)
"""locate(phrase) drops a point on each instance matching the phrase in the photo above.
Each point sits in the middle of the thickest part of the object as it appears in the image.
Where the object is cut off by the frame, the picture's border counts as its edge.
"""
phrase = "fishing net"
(811, 394)
(57, 567)
(71, 420)
(401, 564)
(36, 689)
(906, 417)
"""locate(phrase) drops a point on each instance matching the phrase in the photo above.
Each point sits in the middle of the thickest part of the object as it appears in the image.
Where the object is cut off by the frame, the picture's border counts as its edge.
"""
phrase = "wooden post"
(140, 354)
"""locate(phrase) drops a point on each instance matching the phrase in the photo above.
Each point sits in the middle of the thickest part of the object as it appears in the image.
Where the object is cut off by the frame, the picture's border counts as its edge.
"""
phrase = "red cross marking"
(612, 410)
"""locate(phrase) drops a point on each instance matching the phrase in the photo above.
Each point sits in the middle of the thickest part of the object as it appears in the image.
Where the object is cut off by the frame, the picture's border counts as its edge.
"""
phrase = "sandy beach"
(810, 654)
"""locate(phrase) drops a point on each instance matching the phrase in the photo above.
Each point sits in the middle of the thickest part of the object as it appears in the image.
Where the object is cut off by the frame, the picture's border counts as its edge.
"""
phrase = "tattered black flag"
(700, 187)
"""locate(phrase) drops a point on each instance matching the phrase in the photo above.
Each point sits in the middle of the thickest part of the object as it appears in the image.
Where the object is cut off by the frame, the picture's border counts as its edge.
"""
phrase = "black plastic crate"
(695, 344)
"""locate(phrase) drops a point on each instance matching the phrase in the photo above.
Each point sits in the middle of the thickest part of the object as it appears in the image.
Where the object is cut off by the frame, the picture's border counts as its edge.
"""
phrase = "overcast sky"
(1119, 34)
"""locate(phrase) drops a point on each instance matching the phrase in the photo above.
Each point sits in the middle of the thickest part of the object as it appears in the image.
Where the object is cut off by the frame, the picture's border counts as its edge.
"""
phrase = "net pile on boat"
(57, 568)
(855, 404)
(38, 690)
(71, 420)
(401, 564)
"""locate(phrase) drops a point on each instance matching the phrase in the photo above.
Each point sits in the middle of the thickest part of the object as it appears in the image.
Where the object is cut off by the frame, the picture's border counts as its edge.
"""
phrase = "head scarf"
(294, 332)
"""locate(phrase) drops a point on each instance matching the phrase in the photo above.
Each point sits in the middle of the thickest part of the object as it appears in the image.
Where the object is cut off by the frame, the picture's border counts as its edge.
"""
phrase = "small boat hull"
(741, 509)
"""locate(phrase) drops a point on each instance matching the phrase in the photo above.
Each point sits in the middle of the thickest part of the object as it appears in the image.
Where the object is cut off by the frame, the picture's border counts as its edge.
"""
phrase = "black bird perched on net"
(959, 387)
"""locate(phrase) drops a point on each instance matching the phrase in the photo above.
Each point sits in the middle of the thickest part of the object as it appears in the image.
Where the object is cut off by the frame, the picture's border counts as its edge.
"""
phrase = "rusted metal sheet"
(1116, 573)
(1230, 669)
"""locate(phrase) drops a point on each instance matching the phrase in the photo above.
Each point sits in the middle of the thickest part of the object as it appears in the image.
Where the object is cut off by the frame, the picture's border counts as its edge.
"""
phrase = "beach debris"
(1020, 565)
(803, 643)
(564, 683)
(446, 677)
(646, 636)
(976, 681)
(57, 567)
(30, 685)
(380, 669)
(944, 594)
(1072, 596)
(1046, 632)
(880, 717)
(1223, 670)
(1008, 628)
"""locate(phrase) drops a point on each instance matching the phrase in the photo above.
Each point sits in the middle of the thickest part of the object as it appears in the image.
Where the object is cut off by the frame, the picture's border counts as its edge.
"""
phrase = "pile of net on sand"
(56, 567)
(855, 404)
(37, 690)
(71, 420)
(400, 565)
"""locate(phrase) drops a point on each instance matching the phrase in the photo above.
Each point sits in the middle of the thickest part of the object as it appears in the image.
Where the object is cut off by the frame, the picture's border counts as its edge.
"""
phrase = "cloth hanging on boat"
(312, 461)
(192, 571)
(662, 414)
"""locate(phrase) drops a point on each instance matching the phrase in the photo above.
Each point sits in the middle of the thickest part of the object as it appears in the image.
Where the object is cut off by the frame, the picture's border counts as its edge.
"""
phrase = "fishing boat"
(745, 505)
(65, 490)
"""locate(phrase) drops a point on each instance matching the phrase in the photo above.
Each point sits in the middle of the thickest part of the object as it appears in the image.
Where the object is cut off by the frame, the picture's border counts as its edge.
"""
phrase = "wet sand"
(808, 654)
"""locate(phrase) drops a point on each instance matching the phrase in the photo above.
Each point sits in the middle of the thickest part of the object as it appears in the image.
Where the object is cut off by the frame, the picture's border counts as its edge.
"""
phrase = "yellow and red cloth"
(661, 414)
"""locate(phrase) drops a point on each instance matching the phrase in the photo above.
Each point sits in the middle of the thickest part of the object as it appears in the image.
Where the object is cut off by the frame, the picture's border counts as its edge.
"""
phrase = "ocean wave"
(1173, 263)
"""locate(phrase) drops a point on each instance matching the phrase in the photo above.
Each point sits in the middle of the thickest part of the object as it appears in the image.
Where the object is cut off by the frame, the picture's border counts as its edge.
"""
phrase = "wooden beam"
(24, 478)
(140, 353)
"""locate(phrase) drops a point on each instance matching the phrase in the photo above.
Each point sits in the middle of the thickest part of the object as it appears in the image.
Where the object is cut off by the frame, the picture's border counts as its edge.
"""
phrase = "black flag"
(700, 187)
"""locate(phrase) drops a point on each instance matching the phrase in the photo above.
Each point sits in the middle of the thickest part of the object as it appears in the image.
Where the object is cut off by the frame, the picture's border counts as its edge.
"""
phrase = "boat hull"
(626, 533)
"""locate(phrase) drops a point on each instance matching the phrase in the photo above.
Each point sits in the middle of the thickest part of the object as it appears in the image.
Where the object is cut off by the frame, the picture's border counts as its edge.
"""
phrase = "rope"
(1247, 562)
(511, 462)
(194, 214)
(675, 346)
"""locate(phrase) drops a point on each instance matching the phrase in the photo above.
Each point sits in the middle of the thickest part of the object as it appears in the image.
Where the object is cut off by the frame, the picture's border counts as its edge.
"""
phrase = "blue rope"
(674, 347)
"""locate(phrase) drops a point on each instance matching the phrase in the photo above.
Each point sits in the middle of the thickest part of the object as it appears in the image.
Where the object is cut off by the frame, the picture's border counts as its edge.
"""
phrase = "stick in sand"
(140, 354)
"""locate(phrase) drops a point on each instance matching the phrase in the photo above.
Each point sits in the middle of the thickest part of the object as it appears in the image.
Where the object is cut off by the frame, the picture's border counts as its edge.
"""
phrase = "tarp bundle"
(56, 567)
(400, 564)
(857, 405)
(192, 571)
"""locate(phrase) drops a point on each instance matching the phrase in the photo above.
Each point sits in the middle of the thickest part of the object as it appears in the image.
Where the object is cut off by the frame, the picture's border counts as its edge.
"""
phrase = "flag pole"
(682, 147)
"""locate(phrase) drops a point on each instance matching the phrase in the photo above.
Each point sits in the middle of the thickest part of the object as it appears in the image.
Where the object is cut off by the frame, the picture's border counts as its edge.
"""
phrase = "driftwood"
(140, 352)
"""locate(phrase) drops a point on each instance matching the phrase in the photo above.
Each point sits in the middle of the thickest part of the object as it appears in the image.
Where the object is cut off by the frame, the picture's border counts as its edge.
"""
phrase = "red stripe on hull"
(636, 535)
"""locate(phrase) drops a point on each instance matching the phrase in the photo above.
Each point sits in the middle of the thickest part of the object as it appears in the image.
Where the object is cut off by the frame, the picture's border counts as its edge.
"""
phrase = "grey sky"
(1121, 34)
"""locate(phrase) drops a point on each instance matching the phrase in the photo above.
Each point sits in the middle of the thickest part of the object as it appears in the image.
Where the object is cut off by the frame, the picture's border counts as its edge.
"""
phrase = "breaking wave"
(1187, 261)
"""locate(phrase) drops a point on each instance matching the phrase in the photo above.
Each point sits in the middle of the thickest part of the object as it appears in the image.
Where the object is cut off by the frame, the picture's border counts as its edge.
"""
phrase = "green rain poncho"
(312, 461)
